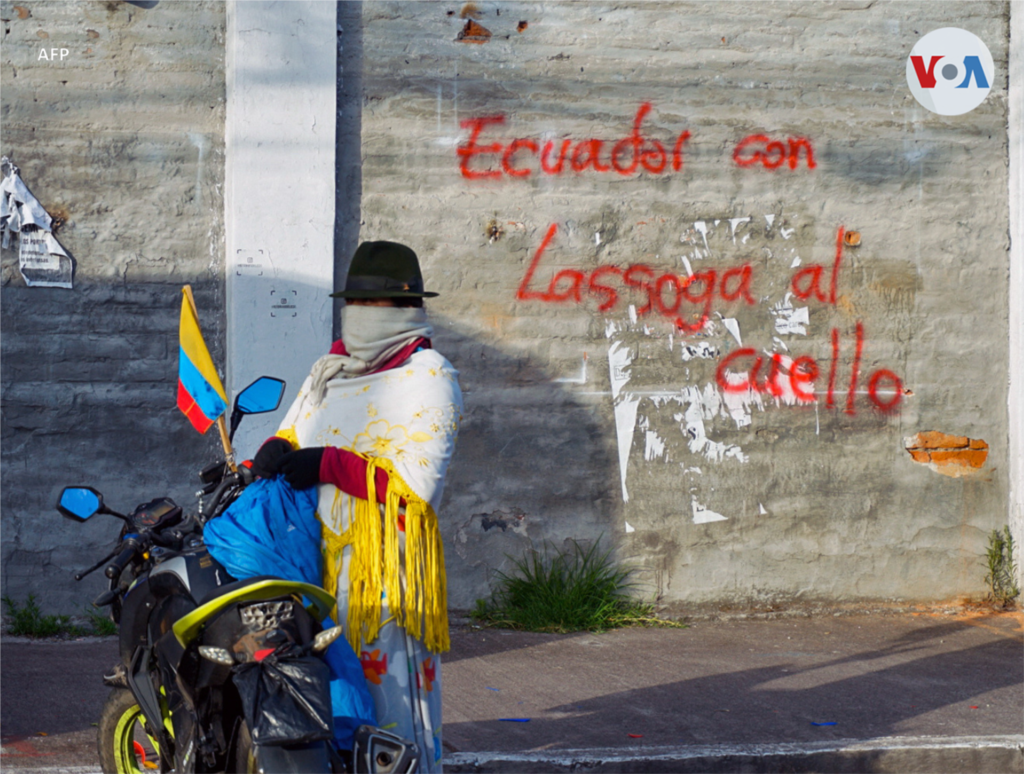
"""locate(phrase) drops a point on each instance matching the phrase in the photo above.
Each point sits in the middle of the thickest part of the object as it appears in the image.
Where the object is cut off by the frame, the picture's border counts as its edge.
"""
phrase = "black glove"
(265, 462)
(301, 468)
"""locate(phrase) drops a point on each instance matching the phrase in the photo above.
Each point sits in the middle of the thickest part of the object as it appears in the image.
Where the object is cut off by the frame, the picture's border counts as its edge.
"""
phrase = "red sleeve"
(347, 471)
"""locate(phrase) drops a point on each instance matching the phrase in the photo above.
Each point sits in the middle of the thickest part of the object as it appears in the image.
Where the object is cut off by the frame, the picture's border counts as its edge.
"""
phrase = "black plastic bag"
(286, 701)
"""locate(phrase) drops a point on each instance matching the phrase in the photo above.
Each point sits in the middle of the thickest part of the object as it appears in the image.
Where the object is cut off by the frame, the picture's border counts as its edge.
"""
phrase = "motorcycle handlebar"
(115, 568)
(231, 480)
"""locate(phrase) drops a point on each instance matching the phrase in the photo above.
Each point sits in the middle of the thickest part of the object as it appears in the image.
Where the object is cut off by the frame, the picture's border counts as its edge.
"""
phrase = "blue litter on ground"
(491, 689)
(514, 720)
(830, 723)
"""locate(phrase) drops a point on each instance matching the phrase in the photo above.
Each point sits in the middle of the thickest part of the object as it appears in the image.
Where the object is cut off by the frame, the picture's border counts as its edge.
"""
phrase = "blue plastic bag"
(272, 529)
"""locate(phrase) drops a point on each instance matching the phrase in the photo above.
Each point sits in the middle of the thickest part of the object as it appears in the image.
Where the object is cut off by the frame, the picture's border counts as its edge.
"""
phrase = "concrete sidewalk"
(887, 692)
(848, 693)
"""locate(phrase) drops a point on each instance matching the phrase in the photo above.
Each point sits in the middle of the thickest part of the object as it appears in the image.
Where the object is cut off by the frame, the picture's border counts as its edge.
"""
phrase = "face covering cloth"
(372, 334)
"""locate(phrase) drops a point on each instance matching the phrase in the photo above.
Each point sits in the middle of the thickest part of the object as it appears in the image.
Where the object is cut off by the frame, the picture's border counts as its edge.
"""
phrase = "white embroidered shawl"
(405, 420)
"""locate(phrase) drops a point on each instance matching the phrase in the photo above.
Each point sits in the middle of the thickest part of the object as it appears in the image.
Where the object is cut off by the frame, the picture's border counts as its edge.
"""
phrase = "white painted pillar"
(279, 197)
(1016, 198)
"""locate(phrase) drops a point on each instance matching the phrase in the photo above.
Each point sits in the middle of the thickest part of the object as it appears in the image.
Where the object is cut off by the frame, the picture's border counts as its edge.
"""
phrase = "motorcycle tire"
(124, 746)
(312, 758)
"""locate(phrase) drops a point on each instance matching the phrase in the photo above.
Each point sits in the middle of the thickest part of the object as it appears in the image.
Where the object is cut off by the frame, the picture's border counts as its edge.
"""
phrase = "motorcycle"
(217, 674)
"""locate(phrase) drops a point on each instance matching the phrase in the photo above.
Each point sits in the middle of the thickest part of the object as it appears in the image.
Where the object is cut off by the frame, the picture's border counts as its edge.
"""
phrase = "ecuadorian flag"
(201, 396)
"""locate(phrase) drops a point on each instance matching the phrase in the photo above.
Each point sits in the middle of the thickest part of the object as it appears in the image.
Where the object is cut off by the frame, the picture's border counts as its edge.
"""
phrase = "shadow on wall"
(348, 161)
(89, 398)
(89, 387)
(533, 465)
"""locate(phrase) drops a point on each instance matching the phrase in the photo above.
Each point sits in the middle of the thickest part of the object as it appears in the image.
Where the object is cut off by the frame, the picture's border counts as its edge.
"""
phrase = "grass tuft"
(101, 624)
(1002, 568)
(570, 591)
(27, 620)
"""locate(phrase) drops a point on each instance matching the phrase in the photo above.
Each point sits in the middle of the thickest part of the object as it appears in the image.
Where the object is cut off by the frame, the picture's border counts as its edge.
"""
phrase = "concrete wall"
(124, 139)
(878, 478)
(586, 416)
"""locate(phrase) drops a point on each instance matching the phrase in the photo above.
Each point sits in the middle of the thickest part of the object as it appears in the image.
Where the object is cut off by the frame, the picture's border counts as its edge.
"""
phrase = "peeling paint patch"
(699, 349)
(951, 455)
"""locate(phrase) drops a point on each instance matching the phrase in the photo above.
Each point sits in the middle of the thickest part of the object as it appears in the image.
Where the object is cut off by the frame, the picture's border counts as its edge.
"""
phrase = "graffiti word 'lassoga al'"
(664, 292)
(627, 156)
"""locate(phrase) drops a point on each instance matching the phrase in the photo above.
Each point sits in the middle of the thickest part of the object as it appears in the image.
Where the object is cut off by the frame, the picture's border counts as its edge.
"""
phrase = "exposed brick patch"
(474, 33)
(950, 455)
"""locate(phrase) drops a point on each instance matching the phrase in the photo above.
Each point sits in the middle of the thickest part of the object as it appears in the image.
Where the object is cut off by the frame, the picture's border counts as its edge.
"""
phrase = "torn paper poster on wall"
(43, 262)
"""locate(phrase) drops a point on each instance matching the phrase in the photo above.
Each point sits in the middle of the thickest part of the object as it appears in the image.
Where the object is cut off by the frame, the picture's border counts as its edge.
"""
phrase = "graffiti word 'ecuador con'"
(633, 154)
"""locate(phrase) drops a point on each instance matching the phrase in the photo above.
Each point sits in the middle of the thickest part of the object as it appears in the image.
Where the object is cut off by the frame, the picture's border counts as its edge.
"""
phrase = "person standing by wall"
(374, 427)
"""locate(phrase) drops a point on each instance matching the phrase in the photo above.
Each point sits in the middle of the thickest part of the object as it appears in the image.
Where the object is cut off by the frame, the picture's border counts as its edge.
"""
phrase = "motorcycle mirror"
(79, 502)
(261, 396)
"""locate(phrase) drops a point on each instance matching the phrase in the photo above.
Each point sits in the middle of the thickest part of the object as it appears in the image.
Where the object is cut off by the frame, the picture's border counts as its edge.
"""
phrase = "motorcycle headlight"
(326, 637)
(217, 655)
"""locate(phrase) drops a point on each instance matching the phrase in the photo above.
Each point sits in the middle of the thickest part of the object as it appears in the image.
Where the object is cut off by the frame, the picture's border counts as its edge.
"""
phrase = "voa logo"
(950, 71)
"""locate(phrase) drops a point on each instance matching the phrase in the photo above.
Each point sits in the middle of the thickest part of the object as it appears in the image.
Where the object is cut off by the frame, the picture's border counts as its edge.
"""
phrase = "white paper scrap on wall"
(619, 359)
(735, 223)
(734, 328)
(739, 404)
(655, 446)
(702, 227)
(701, 404)
(42, 260)
(703, 515)
(33, 252)
(30, 211)
(790, 320)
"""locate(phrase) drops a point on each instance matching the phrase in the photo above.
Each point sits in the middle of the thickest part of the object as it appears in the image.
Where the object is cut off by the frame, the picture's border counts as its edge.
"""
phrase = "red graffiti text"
(807, 281)
(661, 292)
(523, 156)
(772, 154)
(742, 370)
(794, 378)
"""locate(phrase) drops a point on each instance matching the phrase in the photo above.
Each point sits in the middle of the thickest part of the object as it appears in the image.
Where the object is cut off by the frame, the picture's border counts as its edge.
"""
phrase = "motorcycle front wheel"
(124, 746)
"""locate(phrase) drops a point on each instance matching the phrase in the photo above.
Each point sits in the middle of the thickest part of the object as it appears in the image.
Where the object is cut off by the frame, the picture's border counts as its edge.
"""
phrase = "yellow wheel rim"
(125, 754)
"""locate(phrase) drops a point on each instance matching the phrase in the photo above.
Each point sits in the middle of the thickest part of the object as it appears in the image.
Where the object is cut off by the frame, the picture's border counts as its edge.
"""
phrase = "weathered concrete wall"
(124, 139)
(849, 239)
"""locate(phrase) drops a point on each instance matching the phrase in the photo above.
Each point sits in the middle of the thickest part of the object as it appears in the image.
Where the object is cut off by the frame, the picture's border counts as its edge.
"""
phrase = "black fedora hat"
(384, 270)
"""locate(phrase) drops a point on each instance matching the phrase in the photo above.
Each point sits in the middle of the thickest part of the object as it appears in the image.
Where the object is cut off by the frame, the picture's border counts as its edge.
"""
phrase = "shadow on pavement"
(940, 680)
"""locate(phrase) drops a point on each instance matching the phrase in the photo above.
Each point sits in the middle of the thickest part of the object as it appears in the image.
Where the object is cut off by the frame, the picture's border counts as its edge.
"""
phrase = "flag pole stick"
(229, 453)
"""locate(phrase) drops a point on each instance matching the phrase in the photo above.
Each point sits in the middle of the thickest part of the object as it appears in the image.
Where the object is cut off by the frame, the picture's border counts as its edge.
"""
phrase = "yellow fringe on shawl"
(419, 600)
